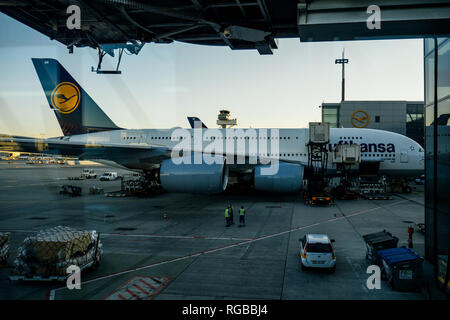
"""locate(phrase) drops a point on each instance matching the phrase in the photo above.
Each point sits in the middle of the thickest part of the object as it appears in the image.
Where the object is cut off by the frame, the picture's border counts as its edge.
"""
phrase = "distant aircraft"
(90, 134)
(193, 120)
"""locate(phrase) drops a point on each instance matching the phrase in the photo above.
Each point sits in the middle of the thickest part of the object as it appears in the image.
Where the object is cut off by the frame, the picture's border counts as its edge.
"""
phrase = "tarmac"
(191, 254)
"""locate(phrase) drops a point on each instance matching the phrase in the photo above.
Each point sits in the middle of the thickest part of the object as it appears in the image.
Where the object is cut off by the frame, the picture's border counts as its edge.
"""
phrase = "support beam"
(104, 18)
(241, 8)
(265, 12)
(175, 32)
(328, 20)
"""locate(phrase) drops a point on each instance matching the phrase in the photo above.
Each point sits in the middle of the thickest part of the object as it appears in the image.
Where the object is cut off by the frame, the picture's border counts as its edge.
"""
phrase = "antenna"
(342, 61)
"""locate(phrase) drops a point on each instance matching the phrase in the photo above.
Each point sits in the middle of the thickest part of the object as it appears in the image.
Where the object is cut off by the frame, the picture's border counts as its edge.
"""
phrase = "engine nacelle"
(288, 179)
(189, 177)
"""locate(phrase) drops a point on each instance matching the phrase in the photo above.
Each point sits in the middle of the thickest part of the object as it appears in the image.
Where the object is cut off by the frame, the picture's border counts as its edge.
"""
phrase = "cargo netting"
(51, 251)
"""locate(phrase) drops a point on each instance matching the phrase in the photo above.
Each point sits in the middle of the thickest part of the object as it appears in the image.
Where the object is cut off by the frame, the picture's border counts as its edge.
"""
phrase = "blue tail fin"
(75, 110)
(192, 121)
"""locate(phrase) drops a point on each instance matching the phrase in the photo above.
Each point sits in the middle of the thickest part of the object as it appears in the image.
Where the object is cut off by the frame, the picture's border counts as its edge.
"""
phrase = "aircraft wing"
(84, 151)
(120, 153)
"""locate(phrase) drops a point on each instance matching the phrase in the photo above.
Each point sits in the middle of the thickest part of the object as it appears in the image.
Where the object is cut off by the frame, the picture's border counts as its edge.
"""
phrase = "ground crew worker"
(242, 216)
(231, 214)
(227, 217)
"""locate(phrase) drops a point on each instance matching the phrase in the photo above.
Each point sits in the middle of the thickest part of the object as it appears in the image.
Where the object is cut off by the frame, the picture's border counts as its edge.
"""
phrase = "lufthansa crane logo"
(65, 98)
(360, 119)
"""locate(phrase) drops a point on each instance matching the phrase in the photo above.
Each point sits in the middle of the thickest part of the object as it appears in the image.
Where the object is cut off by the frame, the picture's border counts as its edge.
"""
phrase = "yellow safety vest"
(227, 214)
(241, 212)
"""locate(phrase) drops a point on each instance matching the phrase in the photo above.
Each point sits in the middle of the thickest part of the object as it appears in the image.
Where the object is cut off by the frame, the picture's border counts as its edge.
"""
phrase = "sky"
(165, 83)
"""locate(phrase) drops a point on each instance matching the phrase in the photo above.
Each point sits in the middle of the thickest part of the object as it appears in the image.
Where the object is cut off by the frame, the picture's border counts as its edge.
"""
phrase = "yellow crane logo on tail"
(360, 119)
(65, 98)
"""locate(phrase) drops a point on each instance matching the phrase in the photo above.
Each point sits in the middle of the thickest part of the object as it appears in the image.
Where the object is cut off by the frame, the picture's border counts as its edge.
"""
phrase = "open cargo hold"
(48, 254)
(379, 241)
(402, 267)
(4, 247)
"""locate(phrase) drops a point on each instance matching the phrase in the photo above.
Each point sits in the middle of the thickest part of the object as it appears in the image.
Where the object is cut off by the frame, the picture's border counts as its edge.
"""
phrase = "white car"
(316, 251)
(88, 174)
(109, 176)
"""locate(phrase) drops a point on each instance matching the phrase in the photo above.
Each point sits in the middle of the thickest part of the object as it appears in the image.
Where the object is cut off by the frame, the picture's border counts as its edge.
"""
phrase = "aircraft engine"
(288, 179)
(189, 177)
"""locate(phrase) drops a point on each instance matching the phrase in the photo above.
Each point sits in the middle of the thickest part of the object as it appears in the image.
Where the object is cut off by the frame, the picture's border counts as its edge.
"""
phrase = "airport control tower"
(224, 121)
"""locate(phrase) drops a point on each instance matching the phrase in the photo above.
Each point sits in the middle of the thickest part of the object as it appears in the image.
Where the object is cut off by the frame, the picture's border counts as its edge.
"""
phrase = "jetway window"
(330, 113)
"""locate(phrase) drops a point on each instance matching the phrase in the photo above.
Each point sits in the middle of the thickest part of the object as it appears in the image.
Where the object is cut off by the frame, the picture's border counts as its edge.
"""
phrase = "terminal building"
(437, 155)
(403, 117)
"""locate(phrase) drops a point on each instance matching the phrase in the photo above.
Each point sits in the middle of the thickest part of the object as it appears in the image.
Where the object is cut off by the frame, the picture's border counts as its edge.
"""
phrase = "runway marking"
(145, 235)
(172, 237)
(139, 288)
(200, 253)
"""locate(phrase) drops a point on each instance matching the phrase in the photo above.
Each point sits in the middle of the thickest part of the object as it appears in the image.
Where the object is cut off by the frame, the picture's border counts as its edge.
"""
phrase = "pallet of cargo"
(376, 196)
(70, 190)
(48, 255)
(116, 194)
(75, 178)
(37, 278)
(49, 278)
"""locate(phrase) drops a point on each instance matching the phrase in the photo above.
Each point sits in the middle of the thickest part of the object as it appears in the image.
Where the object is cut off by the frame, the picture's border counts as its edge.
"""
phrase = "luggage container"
(70, 190)
(378, 241)
(402, 268)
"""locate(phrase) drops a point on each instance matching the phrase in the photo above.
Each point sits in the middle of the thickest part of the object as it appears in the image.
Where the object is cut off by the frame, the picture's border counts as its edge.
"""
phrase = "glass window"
(442, 210)
(319, 247)
(444, 70)
(428, 46)
(429, 78)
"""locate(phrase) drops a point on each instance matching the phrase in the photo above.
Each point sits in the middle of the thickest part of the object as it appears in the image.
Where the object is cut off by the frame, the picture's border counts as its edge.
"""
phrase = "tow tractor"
(317, 191)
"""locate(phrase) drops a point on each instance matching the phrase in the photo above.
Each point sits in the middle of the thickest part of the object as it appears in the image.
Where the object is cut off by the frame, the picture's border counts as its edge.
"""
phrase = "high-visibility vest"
(241, 212)
(227, 214)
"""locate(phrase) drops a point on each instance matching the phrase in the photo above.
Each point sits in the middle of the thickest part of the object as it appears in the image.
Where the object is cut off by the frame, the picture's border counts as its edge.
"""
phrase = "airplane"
(193, 120)
(89, 134)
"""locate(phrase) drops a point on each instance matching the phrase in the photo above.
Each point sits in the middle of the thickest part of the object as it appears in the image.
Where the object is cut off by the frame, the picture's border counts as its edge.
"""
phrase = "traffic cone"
(164, 216)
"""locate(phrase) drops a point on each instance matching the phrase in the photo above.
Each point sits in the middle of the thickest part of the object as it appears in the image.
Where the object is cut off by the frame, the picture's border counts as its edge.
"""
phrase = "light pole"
(342, 61)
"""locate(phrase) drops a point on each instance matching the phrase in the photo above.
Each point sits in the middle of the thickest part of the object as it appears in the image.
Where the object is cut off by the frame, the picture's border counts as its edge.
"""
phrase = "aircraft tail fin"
(75, 110)
(193, 120)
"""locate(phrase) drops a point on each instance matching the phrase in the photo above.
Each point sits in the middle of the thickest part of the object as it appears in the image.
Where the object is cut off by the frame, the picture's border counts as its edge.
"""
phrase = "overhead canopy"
(238, 24)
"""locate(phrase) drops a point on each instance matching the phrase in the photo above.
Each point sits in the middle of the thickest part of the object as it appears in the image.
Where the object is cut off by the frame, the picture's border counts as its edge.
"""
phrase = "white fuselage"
(397, 154)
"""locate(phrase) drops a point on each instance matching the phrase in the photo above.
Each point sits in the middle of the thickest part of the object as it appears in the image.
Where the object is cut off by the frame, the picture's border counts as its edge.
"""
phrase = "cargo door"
(404, 155)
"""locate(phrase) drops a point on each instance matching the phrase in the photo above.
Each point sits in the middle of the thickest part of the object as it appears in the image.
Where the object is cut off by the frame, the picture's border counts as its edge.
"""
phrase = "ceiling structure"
(238, 24)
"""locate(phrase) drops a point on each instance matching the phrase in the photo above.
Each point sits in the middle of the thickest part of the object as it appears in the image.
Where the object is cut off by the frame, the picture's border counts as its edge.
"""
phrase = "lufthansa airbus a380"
(90, 134)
